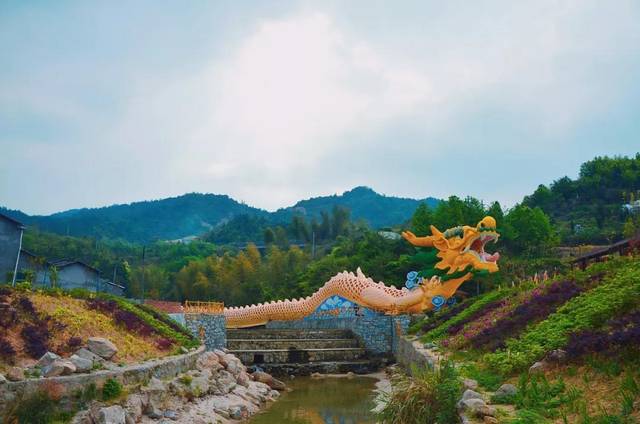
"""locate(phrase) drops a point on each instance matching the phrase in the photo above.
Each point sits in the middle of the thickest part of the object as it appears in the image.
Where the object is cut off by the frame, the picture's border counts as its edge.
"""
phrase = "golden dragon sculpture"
(447, 259)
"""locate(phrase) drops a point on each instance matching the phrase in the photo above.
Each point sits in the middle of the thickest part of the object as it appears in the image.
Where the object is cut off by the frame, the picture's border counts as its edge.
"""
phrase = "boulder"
(81, 364)
(207, 361)
(59, 367)
(470, 394)
(558, 356)
(87, 354)
(243, 379)
(47, 359)
(135, 405)
(225, 383)
(506, 390)
(3, 380)
(15, 374)
(538, 367)
(102, 347)
(267, 379)
(468, 383)
(486, 410)
(474, 405)
(111, 415)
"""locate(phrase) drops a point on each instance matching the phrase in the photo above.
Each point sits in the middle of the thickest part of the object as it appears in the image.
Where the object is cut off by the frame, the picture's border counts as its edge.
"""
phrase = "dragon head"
(458, 250)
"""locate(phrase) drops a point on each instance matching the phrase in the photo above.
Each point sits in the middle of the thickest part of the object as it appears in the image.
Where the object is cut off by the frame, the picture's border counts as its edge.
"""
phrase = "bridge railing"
(198, 307)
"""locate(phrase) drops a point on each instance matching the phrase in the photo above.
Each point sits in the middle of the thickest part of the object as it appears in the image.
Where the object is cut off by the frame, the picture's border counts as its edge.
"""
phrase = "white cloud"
(308, 103)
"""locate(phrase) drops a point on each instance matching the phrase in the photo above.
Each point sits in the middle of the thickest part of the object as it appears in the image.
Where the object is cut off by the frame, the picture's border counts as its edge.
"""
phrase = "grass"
(429, 397)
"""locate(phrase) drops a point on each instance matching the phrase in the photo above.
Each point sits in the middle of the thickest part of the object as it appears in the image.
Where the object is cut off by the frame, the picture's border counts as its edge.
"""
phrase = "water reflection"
(325, 401)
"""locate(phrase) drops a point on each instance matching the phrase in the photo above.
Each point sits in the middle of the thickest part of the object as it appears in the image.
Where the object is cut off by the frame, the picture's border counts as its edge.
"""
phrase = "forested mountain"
(142, 222)
(228, 220)
(590, 209)
(364, 203)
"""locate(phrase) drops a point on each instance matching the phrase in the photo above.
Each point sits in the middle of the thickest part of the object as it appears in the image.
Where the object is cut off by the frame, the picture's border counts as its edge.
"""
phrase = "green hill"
(194, 214)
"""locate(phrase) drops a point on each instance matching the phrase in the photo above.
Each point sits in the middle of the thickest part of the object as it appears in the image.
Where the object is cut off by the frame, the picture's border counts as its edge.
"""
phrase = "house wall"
(77, 276)
(9, 244)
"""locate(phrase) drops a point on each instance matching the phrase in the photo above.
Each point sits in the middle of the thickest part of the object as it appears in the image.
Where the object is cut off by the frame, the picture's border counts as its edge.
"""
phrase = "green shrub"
(486, 378)
(617, 294)
(478, 305)
(427, 398)
(37, 408)
(111, 389)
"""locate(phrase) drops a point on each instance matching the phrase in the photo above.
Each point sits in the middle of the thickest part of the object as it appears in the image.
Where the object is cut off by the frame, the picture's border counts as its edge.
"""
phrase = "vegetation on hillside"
(589, 210)
(34, 322)
(592, 315)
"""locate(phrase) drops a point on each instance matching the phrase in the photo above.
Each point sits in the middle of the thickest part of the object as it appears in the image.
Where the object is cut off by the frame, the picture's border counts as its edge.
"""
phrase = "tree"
(528, 231)
(495, 210)
(422, 220)
(269, 236)
(339, 221)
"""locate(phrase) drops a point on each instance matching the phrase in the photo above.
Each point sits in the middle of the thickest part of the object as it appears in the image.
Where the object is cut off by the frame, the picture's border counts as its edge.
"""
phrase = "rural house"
(10, 243)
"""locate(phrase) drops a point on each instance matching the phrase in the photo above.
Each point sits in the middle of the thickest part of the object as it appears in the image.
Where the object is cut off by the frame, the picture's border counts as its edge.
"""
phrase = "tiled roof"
(165, 306)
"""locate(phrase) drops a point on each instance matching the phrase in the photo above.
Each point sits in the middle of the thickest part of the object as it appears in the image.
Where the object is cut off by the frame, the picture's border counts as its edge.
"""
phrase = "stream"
(323, 401)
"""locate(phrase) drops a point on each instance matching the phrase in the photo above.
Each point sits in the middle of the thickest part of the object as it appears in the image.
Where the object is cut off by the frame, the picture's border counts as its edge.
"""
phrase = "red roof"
(165, 306)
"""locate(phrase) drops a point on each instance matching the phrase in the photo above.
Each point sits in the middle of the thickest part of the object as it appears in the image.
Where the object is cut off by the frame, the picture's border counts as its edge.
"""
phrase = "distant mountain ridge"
(197, 213)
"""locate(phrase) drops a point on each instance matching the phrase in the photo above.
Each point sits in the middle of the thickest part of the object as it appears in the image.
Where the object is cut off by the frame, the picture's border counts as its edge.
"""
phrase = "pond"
(323, 401)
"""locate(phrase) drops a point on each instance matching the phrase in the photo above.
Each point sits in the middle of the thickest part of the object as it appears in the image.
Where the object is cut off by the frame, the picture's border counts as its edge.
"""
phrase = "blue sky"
(271, 102)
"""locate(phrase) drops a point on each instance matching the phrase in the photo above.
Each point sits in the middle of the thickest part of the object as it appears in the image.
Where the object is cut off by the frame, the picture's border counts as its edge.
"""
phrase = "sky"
(272, 102)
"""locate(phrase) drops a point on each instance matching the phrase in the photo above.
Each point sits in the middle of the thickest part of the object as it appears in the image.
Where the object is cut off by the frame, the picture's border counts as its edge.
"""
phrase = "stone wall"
(377, 332)
(411, 352)
(209, 328)
(129, 375)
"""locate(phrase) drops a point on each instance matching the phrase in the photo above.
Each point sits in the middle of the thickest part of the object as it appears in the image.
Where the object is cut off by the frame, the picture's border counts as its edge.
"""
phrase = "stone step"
(265, 356)
(328, 367)
(269, 333)
(249, 344)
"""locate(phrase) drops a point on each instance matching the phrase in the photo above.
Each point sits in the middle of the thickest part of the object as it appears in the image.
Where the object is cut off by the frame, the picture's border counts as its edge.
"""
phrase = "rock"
(207, 361)
(243, 379)
(558, 356)
(171, 414)
(350, 375)
(317, 375)
(224, 383)
(506, 390)
(135, 405)
(87, 354)
(486, 410)
(102, 347)
(59, 367)
(470, 394)
(429, 345)
(538, 367)
(238, 412)
(111, 415)
(490, 420)
(274, 383)
(473, 405)
(153, 412)
(274, 394)
(183, 350)
(81, 364)
(3, 380)
(468, 383)
(47, 359)
(15, 374)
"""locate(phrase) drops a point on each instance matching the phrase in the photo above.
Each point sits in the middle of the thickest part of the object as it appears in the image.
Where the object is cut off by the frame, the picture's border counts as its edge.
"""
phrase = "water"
(323, 401)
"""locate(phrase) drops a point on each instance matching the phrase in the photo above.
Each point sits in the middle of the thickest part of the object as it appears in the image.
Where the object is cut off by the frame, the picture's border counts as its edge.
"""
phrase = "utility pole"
(144, 251)
(114, 272)
(313, 244)
(15, 269)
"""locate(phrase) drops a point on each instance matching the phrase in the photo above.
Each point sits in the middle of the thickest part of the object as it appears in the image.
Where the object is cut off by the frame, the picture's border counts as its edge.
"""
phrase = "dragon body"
(447, 259)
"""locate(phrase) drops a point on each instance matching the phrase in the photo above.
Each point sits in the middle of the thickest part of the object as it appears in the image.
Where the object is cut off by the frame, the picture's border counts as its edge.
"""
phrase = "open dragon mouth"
(478, 244)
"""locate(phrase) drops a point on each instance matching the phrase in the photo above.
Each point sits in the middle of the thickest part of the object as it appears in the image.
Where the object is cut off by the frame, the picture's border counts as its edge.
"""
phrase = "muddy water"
(323, 401)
